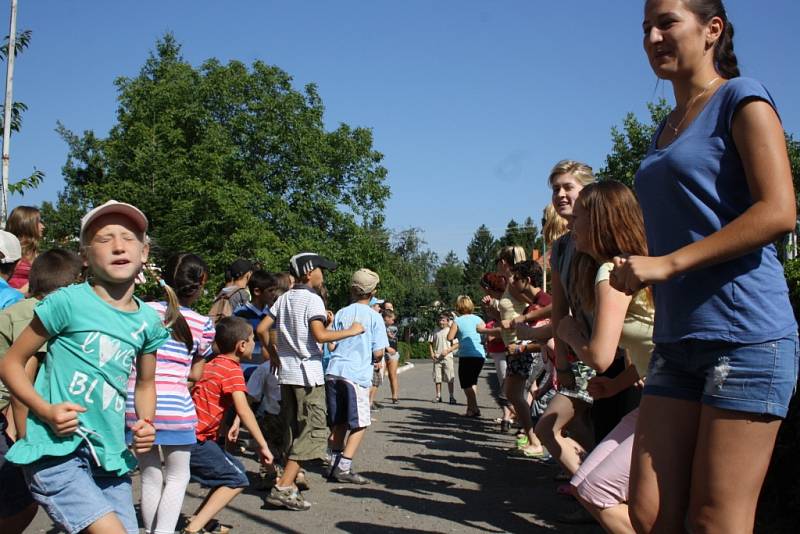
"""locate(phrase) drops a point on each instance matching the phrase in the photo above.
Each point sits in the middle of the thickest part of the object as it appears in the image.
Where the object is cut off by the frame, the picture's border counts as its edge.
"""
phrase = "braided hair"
(724, 58)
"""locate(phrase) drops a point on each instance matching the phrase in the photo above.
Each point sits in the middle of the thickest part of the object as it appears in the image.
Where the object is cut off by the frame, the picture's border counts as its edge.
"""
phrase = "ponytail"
(724, 57)
(172, 317)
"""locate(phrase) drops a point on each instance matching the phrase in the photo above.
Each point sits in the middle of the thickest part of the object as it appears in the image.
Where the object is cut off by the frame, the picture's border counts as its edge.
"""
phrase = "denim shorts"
(756, 378)
(213, 467)
(75, 492)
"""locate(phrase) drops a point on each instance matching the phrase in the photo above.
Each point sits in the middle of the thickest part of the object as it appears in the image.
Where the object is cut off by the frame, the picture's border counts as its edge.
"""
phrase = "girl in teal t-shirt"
(74, 453)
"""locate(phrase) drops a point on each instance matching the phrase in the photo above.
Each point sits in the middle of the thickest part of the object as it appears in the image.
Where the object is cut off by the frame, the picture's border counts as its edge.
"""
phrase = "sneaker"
(395, 401)
(348, 476)
(288, 498)
(505, 425)
(522, 441)
(453, 400)
(437, 399)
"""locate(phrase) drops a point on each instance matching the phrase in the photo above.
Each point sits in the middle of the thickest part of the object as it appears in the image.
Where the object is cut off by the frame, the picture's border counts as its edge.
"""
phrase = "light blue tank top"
(689, 190)
(469, 340)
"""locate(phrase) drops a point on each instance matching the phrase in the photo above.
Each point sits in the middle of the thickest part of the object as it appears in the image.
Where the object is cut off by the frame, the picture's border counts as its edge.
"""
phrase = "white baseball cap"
(112, 206)
(9, 247)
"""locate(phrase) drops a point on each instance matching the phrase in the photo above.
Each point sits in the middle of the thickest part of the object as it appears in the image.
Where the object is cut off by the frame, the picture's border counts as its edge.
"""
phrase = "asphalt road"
(432, 470)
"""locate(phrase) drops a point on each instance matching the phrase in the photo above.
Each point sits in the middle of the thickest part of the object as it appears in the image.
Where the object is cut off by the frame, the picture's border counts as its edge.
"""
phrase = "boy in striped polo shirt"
(221, 387)
(300, 318)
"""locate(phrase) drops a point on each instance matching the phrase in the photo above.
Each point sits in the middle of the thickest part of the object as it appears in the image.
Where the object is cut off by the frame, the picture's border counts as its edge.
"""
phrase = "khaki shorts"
(443, 369)
(303, 412)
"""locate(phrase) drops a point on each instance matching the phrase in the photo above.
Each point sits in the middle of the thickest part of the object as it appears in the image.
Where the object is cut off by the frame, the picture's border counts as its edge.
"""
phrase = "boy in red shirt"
(222, 386)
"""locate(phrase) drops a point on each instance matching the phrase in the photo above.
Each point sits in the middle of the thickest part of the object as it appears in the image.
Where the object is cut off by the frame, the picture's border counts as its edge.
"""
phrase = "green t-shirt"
(13, 321)
(92, 347)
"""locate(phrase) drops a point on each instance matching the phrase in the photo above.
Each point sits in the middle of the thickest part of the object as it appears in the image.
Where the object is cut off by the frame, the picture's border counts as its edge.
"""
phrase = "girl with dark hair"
(178, 361)
(716, 192)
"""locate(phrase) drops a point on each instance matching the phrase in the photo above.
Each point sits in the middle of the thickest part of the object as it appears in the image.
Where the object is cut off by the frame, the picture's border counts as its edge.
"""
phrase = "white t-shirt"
(300, 354)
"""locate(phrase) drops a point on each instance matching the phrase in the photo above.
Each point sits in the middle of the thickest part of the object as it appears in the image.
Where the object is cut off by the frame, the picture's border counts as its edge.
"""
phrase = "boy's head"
(10, 253)
(307, 268)
(53, 269)
(375, 303)
(444, 320)
(528, 272)
(241, 269)
(363, 284)
(262, 286)
(235, 337)
(388, 317)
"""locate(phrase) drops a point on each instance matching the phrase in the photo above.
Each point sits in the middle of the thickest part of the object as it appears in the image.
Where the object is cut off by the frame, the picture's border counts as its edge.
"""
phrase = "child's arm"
(268, 338)
(144, 433)
(247, 418)
(430, 349)
(323, 335)
(451, 334)
(601, 387)
(62, 417)
(196, 370)
(543, 332)
(20, 411)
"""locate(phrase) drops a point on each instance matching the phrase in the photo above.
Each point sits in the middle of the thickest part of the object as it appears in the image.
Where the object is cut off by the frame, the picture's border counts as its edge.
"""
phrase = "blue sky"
(470, 102)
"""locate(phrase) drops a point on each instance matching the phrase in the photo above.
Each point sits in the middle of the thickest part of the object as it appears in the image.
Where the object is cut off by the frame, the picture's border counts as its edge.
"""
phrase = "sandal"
(527, 453)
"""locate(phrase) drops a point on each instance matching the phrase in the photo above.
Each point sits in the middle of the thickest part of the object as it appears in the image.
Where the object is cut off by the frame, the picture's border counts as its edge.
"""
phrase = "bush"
(780, 496)
(413, 350)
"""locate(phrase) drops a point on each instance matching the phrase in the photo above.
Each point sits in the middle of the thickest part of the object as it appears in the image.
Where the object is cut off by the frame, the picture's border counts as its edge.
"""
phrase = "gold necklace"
(689, 107)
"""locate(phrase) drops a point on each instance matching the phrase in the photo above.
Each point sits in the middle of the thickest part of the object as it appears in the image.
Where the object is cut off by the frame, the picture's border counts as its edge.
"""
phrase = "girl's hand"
(63, 417)
(630, 274)
(599, 387)
(266, 455)
(144, 434)
(329, 318)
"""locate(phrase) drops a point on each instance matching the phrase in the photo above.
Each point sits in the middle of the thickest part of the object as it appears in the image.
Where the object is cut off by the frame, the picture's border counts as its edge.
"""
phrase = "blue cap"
(374, 300)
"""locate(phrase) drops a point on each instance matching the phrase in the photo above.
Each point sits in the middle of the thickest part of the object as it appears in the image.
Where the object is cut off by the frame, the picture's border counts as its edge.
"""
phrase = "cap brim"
(130, 212)
(328, 265)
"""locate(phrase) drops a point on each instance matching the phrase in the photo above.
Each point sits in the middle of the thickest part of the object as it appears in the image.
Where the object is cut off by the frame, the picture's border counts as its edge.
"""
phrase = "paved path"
(432, 471)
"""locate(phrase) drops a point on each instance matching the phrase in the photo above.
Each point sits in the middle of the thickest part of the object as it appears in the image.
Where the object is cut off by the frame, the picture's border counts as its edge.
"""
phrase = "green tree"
(481, 258)
(228, 161)
(449, 280)
(525, 235)
(629, 145)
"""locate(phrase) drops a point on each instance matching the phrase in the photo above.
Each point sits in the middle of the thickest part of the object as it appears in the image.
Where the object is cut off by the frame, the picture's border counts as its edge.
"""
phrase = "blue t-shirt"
(469, 340)
(352, 357)
(254, 316)
(689, 190)
(8, 295)
(90, 353)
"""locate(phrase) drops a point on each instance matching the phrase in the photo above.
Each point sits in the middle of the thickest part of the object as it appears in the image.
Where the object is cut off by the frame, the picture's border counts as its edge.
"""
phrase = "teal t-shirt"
(91, 350)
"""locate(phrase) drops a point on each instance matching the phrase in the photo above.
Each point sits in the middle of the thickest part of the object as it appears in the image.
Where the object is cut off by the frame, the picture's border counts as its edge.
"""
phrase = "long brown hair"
(616, 227)
(23, 222)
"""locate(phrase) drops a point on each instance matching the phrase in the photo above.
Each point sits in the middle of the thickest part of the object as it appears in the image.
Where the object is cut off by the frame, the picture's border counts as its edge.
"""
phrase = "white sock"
(345, 463)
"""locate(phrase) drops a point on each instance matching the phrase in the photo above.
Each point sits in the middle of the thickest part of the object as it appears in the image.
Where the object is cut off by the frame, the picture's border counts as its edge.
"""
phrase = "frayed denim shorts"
(75, 492)
(757, 378)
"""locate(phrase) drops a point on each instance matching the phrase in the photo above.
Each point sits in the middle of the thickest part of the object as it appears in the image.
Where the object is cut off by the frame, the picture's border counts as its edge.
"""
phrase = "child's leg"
(514, 391)
(176, 460)
(152, 481)
(438, 387)
(566, 450)
(353, 441)
(338, 434)
(216, 500)
(451, 386)
(289, 474)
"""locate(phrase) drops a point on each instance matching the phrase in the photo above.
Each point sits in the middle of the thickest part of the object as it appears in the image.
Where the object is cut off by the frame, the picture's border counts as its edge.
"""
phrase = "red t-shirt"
(494, 343)
(212, 394)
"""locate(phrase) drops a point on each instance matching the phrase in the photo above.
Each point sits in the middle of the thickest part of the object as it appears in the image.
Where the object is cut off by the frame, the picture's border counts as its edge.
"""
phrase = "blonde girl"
(74, 453)
(25, 222)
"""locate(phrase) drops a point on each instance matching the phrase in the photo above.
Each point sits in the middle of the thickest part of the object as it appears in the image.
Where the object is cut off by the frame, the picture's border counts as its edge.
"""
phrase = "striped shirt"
(212, 395)
(300, 354)
(175, 418)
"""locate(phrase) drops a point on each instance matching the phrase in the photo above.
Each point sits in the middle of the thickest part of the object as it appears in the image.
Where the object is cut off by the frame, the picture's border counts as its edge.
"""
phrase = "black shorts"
(14, 493)
(468, 371)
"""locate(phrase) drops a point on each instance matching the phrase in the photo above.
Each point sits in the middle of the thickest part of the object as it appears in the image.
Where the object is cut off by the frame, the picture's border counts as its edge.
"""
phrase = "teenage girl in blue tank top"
(716, 192)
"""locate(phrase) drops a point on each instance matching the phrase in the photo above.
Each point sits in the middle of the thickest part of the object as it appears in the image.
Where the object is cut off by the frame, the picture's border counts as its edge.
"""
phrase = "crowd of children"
(665, 352)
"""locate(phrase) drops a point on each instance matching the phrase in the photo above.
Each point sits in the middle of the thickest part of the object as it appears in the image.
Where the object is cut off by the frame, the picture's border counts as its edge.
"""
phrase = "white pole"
(12, 42)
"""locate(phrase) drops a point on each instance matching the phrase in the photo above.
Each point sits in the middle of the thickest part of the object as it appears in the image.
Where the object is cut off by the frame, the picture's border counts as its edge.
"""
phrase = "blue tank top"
(689, 190)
